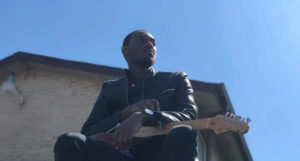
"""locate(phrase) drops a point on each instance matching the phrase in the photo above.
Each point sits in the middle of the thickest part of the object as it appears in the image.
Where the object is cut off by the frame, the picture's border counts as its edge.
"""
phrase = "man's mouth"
(149, 51)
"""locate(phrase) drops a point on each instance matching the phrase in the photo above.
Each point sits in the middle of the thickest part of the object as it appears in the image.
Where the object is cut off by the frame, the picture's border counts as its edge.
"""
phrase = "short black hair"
(128, 37)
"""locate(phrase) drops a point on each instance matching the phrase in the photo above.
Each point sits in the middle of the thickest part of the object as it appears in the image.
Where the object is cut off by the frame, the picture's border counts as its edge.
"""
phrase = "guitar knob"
(238, 117)
(227, 114)
(232, 115)
(243, 119)
(248, 119)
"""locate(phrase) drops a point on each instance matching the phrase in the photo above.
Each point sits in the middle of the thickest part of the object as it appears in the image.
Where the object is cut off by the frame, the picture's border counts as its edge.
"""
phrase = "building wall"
(59, 100)
(56, 102)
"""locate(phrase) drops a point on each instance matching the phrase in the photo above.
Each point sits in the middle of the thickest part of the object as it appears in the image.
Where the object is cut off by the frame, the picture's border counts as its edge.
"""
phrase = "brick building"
(59, 95)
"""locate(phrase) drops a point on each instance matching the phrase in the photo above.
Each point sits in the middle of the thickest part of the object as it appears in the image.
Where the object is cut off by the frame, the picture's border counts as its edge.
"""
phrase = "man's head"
(139, 49)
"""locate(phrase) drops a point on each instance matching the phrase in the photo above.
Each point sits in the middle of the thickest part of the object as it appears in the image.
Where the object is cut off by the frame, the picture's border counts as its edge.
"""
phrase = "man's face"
(141, 50)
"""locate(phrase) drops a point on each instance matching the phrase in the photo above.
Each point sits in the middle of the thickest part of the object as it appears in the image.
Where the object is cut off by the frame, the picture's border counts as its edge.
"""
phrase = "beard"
(143, 63)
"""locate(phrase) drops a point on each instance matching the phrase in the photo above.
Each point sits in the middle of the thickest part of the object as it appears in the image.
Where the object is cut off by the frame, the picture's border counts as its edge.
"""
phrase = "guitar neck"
(199, 124)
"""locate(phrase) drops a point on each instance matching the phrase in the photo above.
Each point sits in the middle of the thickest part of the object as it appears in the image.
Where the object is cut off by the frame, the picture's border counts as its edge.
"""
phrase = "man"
(126, 102)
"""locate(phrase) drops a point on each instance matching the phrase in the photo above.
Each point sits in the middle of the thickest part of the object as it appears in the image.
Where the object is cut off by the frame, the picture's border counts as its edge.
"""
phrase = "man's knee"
(182, 131)
(180, 144)
(69, 142)
(182, 134)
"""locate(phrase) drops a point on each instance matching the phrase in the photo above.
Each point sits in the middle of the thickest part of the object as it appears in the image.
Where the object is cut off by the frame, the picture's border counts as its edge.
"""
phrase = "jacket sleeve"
(100, 119)
(184, 105)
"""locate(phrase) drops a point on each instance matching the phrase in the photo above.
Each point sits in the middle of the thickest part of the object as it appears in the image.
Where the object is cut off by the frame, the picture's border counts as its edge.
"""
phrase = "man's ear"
(124, 51)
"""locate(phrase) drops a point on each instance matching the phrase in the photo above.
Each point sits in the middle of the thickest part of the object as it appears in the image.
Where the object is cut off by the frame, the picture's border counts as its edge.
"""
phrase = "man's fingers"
(121, 137)
(118, 135)
(125, 132)
(156, 104)
(152, 104)
(123, 141)
(124, 136)
(149, 104)
(115, 142)
(130, 136)
(143, 105)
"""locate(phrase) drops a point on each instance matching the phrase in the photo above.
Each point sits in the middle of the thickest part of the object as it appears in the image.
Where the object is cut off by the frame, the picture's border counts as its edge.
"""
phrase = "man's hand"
(104, 137)
(152, 104)
(124, 133)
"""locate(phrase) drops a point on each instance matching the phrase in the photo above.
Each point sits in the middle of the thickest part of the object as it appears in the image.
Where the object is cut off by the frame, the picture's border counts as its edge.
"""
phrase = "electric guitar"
(219, 124)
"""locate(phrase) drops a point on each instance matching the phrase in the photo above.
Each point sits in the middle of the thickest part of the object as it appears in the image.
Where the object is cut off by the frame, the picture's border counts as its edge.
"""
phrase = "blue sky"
(253, 46)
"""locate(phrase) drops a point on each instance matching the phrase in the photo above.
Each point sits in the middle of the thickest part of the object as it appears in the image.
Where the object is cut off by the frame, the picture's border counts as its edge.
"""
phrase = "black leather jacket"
(172, 90)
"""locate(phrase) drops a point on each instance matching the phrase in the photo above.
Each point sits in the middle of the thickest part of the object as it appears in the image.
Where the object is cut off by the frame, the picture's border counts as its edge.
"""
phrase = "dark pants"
(178, 145)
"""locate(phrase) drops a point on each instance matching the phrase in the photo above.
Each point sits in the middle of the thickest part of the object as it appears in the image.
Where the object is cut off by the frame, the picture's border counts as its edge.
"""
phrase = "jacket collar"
(151, 74)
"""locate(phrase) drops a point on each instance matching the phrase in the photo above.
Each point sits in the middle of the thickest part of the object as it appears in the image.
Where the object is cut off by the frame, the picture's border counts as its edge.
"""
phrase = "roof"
(216, 89)
(28, 57)
(88, 67)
